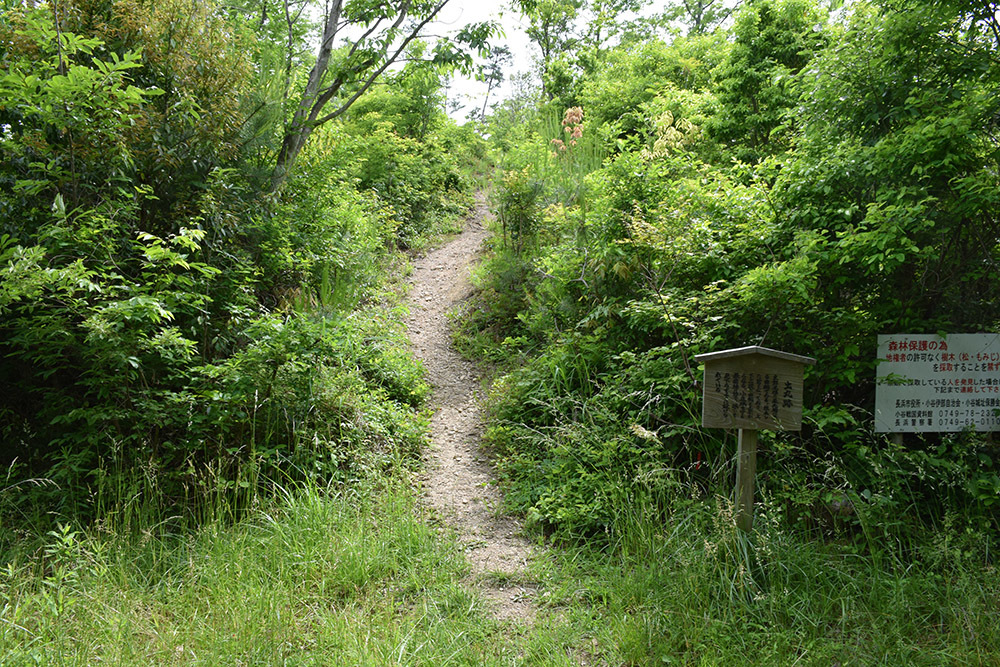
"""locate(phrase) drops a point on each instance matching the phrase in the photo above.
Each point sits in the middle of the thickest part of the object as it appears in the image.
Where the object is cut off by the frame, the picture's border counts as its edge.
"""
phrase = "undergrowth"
(314, 576)
(691, 588)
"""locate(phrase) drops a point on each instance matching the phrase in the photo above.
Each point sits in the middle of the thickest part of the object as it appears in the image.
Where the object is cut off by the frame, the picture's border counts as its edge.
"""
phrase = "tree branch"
(385, 65)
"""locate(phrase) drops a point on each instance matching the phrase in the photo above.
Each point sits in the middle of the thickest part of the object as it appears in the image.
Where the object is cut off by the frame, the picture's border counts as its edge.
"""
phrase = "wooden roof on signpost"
(754, 349)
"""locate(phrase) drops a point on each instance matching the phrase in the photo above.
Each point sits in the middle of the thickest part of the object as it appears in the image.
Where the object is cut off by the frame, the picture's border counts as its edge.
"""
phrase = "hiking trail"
(458, 484)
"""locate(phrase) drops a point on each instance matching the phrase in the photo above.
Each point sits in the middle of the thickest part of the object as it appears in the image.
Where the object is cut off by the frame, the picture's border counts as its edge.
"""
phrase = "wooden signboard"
(752, 388)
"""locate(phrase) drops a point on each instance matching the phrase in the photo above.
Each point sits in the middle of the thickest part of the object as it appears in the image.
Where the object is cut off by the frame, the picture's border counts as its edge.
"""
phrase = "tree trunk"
(364, 72)
(301, 126)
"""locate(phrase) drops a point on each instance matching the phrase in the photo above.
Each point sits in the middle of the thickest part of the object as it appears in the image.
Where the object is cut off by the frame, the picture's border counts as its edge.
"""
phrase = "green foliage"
(512, 119)
(773, 41)
(171, 335)
(575, 432)
(629, 78)
(700, 16)
(405, 151)
(313, 576)
(326, 241)
(410, 100)
(65, 113)
(575, 36)
(517, 207)
(805, 188)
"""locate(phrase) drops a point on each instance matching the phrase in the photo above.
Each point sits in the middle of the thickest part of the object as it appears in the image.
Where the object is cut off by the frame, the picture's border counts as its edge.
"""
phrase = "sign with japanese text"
(926, 383)
(753, 388)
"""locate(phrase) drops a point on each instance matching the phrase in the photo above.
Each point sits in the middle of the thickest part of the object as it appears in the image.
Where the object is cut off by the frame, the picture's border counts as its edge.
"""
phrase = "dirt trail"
(458, 483)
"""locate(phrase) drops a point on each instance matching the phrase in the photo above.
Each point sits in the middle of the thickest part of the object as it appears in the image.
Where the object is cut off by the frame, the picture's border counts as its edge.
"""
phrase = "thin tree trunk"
(368, 70)
(300, 128)
(486, 101)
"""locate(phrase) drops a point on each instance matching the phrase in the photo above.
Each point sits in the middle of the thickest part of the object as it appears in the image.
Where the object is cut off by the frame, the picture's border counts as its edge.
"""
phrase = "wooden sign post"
(751, 388)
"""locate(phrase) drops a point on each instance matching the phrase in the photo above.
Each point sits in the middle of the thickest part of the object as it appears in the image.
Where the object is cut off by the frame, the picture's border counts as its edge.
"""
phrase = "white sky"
(458, 13)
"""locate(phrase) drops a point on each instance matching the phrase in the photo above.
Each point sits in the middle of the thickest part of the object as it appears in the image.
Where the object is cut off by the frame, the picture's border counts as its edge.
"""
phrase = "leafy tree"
(774, 40)
(410, 99)
(701, 16)
(98, 314)
(67, 114)
(198, 119)
(607, 21)
(631, 77)
(551, 28)
(283, 28)
(571, 52)
(511, 119)
(375, 35)
(900, 142)
(398, 133)
(492, 73)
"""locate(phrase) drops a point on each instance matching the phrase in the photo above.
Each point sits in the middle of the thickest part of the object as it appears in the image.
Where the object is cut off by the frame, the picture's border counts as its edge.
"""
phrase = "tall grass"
(549, 170)
(315, 577)
(696, 590)
(564, 166)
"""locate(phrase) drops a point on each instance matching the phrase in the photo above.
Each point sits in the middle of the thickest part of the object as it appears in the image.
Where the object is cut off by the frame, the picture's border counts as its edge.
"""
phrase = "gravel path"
(458, 483)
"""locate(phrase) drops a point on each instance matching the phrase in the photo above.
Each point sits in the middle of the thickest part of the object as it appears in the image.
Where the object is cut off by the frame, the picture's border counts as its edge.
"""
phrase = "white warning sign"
(933, 383)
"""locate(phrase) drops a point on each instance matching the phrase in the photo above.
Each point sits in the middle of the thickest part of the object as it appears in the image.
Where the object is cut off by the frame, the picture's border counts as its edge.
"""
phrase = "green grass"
(363, 577)
(316, 578)
(696, 591)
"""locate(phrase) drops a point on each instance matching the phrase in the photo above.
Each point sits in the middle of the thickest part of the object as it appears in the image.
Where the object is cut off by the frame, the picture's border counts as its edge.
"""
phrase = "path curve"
(458, 483)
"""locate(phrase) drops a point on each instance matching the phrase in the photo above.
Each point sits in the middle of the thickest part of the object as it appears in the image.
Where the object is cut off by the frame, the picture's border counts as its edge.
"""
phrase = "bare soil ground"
(458, 485)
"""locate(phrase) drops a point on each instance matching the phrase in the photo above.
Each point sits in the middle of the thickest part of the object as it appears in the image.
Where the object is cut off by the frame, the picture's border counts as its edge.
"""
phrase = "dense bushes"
(170, 328)
(848, 202)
